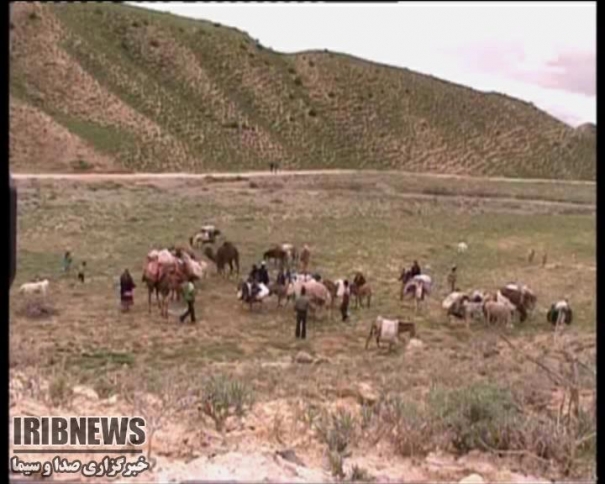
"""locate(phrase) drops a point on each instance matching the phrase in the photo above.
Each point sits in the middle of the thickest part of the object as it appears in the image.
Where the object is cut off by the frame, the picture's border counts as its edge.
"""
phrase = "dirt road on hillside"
(258, 174)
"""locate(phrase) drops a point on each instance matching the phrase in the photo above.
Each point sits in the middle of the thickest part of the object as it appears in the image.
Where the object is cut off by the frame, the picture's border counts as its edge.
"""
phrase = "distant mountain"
(106, 86)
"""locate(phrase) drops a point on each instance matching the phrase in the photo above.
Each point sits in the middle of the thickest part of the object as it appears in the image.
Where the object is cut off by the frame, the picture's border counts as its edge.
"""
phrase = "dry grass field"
(468, 399)
(110, 87)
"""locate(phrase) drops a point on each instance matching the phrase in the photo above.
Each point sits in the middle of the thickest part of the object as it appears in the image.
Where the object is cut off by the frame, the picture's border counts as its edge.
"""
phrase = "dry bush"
(407, 426)
(222, 397)
(157, 399)
(481, 416)
(337, 430)
(359, 474)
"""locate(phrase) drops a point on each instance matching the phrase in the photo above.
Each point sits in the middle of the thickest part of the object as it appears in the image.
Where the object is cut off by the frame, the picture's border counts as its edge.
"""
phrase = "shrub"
(222, 397)
(408, 424)
(336, 430)
(359, 474)
(336, 461)
(59, 390)
(481, 416)
(154, 43)
(312, 113)
(81, 165)
(298, 81)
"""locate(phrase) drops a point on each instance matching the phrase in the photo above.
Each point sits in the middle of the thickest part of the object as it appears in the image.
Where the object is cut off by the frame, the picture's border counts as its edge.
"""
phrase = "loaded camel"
(165, 272)
(227, 254)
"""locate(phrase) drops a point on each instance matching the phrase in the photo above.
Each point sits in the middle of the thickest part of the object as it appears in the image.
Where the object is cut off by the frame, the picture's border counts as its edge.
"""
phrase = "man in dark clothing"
(301, 306)
(254, 273)
(344, 306)
(127, 286)
(263, 275)
(281, 278)
(415, 270)
(81, 271)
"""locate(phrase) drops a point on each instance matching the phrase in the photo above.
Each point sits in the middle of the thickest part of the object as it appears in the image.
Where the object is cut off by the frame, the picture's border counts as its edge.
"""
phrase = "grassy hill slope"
(113, 87)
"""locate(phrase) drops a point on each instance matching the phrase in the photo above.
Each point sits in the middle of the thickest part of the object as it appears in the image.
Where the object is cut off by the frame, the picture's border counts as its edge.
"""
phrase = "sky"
(541, 52)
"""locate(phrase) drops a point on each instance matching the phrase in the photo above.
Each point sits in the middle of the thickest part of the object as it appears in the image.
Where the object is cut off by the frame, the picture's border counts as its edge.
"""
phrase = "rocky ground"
(252, 448)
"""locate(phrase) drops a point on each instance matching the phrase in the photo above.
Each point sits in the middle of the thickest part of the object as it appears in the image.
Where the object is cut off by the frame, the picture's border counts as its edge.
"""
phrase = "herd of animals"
(165, 270)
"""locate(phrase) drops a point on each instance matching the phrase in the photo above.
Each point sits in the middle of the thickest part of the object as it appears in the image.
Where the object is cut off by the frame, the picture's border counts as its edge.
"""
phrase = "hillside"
(108, 87)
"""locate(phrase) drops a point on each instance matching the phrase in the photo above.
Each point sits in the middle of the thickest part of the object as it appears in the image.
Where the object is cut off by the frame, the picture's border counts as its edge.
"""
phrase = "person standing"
(344, 306)
(127, 286)
(189, 297)
(452, 278)
(301, 306)
(263, 275)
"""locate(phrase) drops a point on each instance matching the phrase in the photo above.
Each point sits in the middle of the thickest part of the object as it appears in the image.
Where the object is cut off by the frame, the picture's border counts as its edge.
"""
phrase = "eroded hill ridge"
(109, 87)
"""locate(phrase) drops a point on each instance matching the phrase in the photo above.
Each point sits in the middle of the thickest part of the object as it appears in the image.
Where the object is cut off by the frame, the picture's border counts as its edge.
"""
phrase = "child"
(67, 261)
(81, 272)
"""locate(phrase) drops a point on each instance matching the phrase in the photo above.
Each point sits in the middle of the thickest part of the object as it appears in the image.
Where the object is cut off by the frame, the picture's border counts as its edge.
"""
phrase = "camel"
(389, 329)
(164, 281)
(226, 254)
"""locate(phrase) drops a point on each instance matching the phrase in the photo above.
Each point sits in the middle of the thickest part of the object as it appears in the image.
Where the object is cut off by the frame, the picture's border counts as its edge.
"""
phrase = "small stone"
(366, 394)
(86, 392)
(303, 357)
(472, 479)
(415, 344)
(290, 456)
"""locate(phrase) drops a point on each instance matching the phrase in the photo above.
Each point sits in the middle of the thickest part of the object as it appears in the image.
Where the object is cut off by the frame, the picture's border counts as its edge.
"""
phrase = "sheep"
(462, 247)
(389, 329)
(39, 287)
